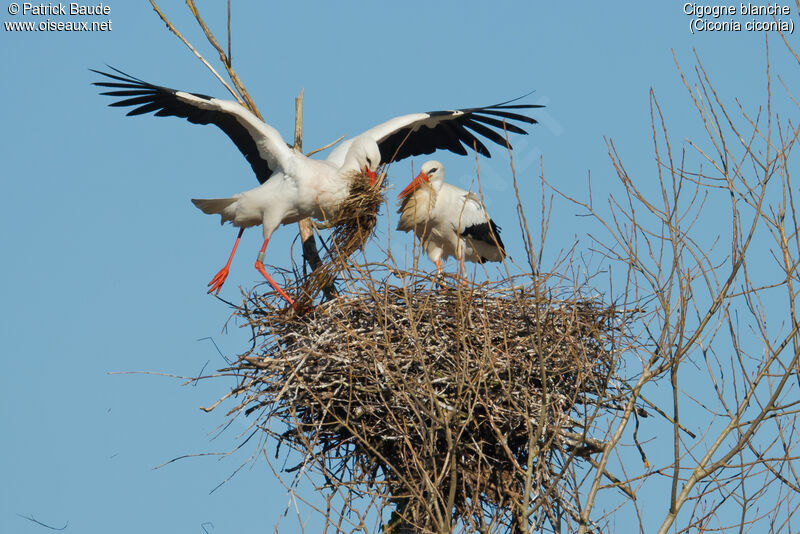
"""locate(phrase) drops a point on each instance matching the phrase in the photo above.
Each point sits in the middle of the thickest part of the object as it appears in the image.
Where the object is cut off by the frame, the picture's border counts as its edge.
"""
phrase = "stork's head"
(364, 156)
(432, 172)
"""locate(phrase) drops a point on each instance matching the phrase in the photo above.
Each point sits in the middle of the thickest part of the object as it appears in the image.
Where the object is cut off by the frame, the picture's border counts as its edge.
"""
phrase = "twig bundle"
(353, 224)
(437, 398)
(355, 221)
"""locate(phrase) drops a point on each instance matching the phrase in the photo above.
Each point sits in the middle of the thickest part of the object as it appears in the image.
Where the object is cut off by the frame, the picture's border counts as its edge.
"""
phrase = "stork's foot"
(303, 309)
(260, 268)
(216, 283)
(442, 279)
(300, 309)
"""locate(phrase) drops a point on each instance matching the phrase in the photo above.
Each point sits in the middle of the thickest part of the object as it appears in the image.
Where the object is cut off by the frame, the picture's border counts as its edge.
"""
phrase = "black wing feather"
(453, 141)
(486, 232)
(147, 108)
(164, 102)
(510, 116)
(126, 93)
(485, 131)
(407, 142)
(469, 139)
(135, 101)
(453, 130)
(500, 125)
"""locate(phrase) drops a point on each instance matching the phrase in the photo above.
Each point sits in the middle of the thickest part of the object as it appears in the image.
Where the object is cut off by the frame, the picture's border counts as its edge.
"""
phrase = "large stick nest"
(434, 395)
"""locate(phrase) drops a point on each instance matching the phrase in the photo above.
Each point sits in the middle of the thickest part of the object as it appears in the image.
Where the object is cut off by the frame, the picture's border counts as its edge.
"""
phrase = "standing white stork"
(293, 185)
(448, 220)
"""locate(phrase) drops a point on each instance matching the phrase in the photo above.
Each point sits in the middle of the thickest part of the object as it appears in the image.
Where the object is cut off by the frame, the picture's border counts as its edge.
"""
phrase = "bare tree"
(721, 325)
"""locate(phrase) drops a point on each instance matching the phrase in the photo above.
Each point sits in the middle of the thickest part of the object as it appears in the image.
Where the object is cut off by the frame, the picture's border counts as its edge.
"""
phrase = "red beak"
(372, 175)
(414, 185)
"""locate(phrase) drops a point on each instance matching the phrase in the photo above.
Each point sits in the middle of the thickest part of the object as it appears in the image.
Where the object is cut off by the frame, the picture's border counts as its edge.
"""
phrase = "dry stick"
(320, 149)
(298, 121)
(174, 30)
(225, 61)
(617, 483)
(663, 414)
(230, 55)
(306, 226)
(671, 213)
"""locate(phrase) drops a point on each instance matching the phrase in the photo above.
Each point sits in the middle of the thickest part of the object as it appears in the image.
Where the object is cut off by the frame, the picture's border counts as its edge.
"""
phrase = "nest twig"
(458, 398)
(353, 224)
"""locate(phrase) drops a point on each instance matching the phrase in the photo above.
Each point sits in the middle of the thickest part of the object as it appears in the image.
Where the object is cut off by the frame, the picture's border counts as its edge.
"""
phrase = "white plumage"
(294, 186)
(301, 188)
(449, 221)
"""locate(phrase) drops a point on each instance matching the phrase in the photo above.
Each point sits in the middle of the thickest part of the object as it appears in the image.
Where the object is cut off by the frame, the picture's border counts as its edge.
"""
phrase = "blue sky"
(105, 260)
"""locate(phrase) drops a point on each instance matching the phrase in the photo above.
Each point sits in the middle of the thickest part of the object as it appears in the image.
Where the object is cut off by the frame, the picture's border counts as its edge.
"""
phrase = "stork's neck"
(363, 153)
(351, 164)
(436, 184)
(427, 193)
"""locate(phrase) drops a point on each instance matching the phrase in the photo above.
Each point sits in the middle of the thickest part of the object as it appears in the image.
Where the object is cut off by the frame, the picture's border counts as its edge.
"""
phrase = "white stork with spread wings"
(448, 220)
(294, 186)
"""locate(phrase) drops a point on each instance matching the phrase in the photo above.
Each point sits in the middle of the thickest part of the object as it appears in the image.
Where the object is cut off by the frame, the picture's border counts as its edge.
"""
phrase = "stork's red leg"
(263, 271)
(219, 278)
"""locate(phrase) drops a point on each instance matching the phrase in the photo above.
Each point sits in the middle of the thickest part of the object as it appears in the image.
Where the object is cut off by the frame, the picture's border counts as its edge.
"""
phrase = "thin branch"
(174, 30)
